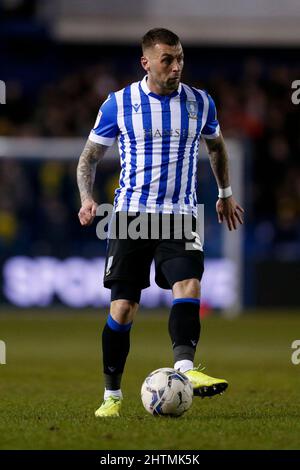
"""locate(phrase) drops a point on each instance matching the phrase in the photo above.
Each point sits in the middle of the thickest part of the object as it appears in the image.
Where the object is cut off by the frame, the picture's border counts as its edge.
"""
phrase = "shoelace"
(198, 368)
(112, 398)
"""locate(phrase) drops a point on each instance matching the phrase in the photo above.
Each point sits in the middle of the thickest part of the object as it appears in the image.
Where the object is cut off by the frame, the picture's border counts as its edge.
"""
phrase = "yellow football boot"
(110, 408)
(204, 385)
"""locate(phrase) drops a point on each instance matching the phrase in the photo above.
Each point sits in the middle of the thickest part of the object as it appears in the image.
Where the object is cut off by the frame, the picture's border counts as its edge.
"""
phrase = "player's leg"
(127, 272)
(180, 268)
(125, 298)
(183, 276)
(184, 320)
(184, 328)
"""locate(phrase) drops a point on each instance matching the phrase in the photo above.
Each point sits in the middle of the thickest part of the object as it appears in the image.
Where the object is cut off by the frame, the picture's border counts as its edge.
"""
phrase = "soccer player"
(158, 123)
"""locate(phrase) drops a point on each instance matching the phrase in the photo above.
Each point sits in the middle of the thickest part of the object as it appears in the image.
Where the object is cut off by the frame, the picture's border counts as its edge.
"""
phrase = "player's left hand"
(230, 211)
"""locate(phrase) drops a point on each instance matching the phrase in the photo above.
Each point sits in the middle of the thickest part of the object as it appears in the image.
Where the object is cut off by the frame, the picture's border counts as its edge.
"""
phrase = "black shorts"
(130, 259)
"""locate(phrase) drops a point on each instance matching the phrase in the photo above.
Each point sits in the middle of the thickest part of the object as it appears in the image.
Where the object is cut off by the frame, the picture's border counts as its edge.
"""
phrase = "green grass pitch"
(52, 384)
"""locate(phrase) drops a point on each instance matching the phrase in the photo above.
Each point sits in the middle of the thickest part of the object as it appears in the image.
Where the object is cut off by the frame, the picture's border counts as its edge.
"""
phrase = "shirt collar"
(149, 92)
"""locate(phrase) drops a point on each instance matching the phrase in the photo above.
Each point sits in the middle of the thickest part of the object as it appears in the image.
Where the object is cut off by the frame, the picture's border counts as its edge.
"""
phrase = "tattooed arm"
(218, 160)
(227, 208)
(86, 171)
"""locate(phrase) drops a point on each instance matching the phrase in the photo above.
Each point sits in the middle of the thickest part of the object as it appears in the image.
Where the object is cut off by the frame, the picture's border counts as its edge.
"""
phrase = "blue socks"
(115, 348)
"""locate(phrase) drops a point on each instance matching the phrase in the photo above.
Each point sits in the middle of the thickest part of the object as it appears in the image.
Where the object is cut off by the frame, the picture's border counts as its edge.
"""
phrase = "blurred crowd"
(39, 200)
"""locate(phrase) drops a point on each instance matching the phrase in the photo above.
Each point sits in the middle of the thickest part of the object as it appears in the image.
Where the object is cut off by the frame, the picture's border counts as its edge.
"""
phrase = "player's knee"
(187, 288)
(123, 311)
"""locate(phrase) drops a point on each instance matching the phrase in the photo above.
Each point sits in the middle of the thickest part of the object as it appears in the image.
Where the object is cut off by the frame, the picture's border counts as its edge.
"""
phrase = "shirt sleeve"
(211, 129)
(106, 126)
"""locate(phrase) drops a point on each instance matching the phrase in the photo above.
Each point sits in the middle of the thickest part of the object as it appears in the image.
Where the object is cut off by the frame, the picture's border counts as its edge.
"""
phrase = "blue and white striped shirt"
(158, 138)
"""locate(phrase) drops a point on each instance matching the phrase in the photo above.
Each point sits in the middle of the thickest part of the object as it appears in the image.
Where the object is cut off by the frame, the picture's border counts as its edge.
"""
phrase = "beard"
(172, 83)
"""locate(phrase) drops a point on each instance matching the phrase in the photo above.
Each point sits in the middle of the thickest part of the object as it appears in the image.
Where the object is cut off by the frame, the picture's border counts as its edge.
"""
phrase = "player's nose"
(176, 67)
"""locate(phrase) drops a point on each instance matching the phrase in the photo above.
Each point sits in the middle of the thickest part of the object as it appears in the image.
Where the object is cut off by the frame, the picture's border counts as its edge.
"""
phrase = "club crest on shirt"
(192, 109)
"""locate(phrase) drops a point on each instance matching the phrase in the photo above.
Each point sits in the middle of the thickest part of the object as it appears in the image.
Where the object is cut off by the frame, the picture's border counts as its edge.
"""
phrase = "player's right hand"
(87, 212)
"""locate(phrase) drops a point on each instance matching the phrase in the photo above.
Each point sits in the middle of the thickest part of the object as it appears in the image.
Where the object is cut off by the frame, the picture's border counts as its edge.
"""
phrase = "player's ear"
(145, 63)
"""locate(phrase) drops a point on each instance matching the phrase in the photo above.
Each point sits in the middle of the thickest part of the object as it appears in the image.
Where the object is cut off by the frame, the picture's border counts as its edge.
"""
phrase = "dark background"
(54, 89)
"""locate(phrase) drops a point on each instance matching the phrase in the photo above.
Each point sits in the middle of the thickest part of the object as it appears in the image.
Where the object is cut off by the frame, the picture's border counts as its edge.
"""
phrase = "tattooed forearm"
(219, 160)
(86, 169)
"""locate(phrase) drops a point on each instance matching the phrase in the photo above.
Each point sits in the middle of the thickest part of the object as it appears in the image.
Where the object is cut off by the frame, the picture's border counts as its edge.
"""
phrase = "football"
(166, 392)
